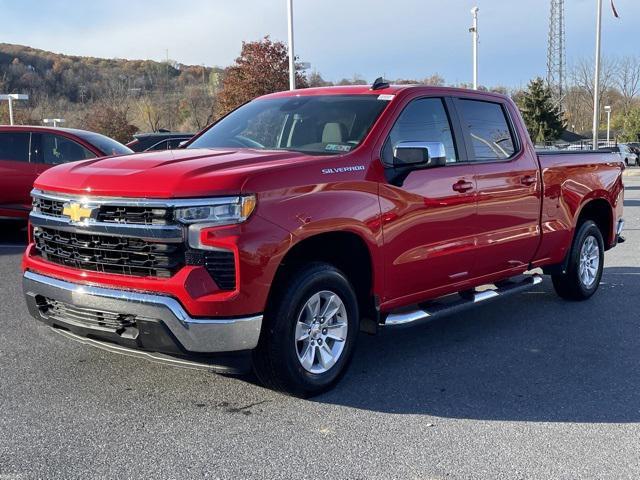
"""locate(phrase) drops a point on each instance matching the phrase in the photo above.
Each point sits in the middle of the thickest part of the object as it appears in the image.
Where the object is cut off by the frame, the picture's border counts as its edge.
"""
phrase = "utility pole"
(10, 98)
(292, 63)
(607, 109)
(474, 32)
(596, 79)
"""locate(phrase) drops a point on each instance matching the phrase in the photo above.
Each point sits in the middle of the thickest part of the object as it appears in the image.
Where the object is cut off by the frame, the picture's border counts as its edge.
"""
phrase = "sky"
(340, 38)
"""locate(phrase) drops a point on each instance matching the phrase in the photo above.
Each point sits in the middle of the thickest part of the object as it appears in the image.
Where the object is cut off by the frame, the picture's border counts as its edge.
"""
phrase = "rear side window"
(487, 125)
(14, 146)
(423, 120)
(56, 149)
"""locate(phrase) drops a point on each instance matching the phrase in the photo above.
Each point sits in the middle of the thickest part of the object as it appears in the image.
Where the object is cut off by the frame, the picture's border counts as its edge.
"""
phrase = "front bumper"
(154, 322)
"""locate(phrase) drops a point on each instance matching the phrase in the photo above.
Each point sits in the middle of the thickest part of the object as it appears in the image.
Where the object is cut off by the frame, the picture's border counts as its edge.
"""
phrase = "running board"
(440, 308)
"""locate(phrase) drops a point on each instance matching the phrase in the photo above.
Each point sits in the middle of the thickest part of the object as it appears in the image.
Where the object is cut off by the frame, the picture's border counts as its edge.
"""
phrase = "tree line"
(121, 97)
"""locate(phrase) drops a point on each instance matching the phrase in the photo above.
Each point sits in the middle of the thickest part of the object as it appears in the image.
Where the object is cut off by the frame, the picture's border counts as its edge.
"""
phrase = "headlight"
(222, 211)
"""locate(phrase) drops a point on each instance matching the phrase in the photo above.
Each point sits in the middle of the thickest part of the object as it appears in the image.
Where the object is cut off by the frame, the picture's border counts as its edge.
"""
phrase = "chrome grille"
(129, 215)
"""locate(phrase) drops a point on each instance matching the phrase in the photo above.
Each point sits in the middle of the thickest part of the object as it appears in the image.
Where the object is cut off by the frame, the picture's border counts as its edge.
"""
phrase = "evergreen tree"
(543, 119)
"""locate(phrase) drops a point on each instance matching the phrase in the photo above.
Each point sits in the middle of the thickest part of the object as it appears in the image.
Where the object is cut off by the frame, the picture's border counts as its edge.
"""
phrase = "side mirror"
(419, 155)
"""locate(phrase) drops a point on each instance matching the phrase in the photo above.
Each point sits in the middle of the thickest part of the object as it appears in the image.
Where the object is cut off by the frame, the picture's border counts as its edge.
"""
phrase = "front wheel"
(586, 261)
(309, 333)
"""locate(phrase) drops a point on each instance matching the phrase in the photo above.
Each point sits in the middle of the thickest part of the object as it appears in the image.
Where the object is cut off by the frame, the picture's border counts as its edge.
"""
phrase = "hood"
(165, 174)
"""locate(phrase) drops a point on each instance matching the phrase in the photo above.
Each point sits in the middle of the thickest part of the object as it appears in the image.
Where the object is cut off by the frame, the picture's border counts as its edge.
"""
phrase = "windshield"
(106, 145)
(326, 124)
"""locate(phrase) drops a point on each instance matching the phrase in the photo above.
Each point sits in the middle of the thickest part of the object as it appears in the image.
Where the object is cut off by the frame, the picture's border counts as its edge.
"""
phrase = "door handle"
(528, 180)
(462, 186)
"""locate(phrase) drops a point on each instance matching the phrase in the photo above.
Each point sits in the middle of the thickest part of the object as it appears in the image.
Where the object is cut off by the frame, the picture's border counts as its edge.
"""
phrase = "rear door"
(508, 185)
(428, 220)
(17, 173)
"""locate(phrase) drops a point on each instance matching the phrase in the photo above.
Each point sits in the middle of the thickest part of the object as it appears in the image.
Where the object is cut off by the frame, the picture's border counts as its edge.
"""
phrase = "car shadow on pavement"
(533, 357)
(13, 237)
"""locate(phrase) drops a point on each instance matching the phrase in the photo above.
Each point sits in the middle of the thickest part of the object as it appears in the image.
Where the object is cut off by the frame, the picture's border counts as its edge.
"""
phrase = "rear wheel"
(309, 333)
(586, 261)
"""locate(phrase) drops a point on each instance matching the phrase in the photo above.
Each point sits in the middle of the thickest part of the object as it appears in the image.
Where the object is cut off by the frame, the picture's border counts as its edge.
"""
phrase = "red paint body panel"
(425, 239)
(17, 178)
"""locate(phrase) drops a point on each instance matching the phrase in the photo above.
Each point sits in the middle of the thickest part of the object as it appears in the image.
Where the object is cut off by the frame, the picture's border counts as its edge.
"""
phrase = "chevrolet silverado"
(304, 217)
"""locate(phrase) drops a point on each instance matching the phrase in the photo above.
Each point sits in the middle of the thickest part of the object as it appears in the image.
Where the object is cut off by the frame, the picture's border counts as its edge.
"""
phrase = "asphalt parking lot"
(530, 387)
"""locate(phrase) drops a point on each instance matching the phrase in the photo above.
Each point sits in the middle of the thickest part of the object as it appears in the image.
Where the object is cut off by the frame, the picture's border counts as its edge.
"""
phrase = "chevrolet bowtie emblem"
(76, 212)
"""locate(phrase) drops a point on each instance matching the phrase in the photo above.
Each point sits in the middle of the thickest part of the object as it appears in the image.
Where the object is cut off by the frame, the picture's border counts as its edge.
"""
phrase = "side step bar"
(466, 300)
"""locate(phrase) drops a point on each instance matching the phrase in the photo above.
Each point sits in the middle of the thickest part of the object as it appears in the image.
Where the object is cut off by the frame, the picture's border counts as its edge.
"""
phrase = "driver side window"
(423, 120)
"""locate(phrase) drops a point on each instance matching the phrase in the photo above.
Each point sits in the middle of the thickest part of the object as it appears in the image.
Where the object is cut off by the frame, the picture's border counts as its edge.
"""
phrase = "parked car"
(627, 154)
(144, 142)
(349, 208)
(27, 151)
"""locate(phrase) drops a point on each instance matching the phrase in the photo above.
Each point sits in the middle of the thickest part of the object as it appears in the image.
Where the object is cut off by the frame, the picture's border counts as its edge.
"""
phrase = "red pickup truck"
(304, 217)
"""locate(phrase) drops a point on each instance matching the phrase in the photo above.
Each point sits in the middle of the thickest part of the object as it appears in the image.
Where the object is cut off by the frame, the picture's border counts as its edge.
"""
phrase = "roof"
(40, 128)
(366, 90)
(163, 135)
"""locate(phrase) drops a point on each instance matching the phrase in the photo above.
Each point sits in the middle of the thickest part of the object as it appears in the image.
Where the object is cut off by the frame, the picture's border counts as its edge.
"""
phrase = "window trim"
(457, 136)
(517, 144)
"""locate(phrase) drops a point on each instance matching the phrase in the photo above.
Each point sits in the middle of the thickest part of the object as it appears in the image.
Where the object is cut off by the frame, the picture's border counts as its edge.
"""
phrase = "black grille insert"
(107, 254)
(135, 215)
(220, 264)
(87, 317)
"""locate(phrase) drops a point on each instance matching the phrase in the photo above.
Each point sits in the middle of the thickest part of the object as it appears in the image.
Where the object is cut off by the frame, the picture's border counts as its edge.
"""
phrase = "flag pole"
(292, 61)
(596, 79)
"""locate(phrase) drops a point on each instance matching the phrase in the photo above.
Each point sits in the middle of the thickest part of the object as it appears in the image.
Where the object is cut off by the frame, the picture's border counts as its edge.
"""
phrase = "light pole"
(292, 63)
(596, 79)
(607, 109)
(474, 32)
(10, 98)
(55, 121)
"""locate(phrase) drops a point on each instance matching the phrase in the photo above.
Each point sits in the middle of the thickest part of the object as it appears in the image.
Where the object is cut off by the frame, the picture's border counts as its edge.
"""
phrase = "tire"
(283, 360)
(582, 278)
(626, 162)
(638, 162)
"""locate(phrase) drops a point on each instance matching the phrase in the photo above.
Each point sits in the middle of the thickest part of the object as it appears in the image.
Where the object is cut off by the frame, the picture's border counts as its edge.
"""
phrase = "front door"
(428, 220)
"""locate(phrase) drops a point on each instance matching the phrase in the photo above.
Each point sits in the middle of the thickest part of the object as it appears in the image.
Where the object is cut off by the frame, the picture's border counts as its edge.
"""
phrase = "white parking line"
(11, 245)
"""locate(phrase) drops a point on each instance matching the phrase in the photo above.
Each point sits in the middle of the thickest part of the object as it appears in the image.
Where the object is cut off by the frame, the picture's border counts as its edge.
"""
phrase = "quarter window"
(486, 122)
(423, 120)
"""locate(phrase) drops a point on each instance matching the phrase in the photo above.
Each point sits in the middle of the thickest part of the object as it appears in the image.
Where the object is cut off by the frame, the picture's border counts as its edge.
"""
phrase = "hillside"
(80, 79)
(148, 94)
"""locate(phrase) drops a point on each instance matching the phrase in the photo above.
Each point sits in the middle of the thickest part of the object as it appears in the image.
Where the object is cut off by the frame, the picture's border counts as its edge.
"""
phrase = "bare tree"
(628, 81)
(581, 77)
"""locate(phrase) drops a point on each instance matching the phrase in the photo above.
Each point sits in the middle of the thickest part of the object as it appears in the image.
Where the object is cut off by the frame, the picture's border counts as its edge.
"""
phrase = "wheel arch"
(349, 253)
(600, 211)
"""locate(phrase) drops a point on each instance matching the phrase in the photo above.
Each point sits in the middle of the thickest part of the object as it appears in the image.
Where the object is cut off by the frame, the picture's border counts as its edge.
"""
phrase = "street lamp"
(474, 31)
(292, 63)
(11, 97)
(55, 121)
(607, 109)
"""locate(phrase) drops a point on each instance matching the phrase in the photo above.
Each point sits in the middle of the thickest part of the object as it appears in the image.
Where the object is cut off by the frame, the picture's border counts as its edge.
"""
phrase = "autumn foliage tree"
(261, 68)
(110, 122)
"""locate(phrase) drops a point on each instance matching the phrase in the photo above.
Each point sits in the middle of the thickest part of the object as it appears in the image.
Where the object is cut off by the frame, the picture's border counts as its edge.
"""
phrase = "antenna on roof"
(379, 84)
